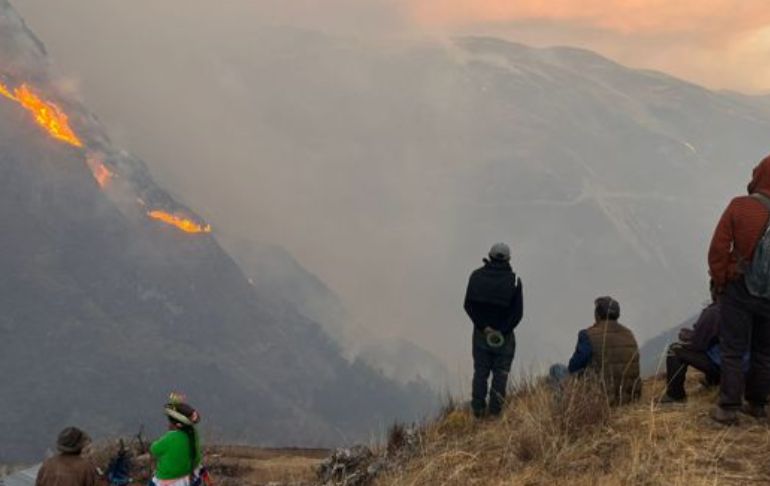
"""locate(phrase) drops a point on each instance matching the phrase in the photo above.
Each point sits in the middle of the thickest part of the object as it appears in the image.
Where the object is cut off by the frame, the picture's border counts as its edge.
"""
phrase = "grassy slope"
(579, 441)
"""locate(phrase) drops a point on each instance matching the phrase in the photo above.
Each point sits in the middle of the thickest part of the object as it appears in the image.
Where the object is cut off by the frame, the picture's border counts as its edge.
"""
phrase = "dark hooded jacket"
(740, 229)
(494, 297)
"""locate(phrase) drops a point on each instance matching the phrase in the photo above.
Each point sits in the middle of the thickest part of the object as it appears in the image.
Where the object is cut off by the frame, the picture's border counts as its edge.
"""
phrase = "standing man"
(494, 302)
(736, 258)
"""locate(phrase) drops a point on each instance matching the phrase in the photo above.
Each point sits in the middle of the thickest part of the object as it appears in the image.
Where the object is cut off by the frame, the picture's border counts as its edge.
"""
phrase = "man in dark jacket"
(68, 468)
(608, 350)
(494, 302)
(697, 347)
(746, 318)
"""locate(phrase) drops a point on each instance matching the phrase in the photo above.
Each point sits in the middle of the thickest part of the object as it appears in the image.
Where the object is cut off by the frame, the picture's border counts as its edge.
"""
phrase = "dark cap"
(72, 440)
(607, 309)
(500, 252)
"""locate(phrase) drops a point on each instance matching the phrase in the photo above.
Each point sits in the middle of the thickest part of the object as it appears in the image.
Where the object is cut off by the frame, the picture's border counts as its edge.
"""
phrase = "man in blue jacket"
(494, 302)
(609, 351)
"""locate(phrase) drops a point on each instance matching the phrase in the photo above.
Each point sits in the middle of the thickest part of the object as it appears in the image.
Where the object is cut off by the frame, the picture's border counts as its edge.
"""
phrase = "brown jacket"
(66, 470)
(615, 360)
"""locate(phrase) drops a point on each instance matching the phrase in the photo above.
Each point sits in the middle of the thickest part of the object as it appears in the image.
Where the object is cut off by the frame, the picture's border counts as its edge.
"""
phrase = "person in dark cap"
(68, 467)
(495, 304)
(608, 350)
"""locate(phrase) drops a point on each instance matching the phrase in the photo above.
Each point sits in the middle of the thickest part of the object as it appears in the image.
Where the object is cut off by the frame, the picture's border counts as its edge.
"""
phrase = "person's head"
(760, 178)
(72, 441)
(181, 415)
(606, 309)
(500, 252)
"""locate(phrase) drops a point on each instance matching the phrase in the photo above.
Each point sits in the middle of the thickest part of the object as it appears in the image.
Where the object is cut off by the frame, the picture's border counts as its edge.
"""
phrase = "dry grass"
(578, 440)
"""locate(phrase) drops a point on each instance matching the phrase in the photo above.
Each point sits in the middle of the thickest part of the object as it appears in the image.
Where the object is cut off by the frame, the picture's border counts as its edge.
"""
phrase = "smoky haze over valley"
(387, 165)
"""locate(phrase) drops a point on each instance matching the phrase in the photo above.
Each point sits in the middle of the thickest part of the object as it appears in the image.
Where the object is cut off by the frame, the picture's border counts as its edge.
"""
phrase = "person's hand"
(685, 335)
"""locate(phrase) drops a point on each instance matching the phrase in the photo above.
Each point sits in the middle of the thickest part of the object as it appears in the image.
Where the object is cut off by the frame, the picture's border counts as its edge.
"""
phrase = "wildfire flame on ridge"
(51, 118)
(47, 115)
(184, 224)
(100, 171)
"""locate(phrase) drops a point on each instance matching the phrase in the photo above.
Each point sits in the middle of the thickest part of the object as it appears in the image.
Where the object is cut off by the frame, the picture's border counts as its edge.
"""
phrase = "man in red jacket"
(746, 318)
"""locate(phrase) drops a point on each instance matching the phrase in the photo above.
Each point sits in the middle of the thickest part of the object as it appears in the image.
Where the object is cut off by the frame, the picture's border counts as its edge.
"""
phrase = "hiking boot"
(754, 410)
(668, 400)
(724, 416)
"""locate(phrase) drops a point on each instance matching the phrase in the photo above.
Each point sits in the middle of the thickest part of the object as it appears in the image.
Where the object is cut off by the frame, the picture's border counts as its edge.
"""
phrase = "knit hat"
(607, 309)
(72, 441)
(500, 252)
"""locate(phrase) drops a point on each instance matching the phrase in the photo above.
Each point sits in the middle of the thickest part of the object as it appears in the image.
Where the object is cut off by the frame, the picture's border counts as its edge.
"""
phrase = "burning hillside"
(46, 114)
(56, 123)
(114, 289)
(184, 224)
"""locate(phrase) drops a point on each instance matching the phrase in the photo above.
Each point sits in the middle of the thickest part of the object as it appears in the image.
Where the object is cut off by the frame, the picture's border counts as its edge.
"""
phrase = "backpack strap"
(763, 199)
(766, 203)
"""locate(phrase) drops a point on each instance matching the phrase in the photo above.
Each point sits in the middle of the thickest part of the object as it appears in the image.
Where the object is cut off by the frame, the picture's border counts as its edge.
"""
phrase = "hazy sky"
(719, 43)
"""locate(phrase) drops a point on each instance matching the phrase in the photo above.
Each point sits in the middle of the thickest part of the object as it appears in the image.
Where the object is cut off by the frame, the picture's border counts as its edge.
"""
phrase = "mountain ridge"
(106, 309)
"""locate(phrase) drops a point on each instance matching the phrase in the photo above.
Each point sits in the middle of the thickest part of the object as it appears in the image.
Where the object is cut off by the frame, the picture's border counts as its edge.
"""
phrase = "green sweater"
(172, 455)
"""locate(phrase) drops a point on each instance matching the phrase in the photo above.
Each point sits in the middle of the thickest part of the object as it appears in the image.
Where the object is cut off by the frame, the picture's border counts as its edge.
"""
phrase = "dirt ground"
(248, 466)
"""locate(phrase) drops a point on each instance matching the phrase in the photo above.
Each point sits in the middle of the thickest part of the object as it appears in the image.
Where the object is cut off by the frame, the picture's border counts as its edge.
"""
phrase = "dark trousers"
(745, 327)
(678, 359)
(494, 361)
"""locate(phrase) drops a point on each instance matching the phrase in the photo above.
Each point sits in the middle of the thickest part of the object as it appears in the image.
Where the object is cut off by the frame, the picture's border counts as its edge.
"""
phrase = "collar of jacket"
(497, 265)
(608, 322)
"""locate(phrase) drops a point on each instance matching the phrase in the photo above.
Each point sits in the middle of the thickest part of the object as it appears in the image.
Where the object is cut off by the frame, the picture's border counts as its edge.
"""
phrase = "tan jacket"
(66, 470)
(615, 360)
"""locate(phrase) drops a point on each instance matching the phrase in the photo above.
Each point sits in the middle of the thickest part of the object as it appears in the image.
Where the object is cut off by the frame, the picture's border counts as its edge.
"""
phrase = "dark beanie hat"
(607, 309)
(72, 440)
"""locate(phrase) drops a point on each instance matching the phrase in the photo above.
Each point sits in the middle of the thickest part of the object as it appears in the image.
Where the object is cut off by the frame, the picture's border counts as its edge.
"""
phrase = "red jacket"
(739, 230)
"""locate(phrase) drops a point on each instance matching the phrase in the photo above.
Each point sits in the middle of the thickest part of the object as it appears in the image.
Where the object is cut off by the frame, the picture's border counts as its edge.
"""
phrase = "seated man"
(697, 347)
(68, 468)
(609, 351)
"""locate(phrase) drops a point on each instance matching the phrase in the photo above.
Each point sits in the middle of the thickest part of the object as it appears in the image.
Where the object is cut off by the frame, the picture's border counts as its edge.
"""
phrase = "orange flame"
(100, 171)
(47, 115)
(184, 224)
(5, 92)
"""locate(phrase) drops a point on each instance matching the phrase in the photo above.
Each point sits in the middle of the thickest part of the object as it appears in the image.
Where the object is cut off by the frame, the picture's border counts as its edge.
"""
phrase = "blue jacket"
(716, 358)
(583, 353)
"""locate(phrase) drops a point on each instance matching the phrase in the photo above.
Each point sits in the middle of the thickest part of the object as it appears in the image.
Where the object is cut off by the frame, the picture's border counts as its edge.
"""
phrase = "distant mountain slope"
(390, 170)
(106, 307)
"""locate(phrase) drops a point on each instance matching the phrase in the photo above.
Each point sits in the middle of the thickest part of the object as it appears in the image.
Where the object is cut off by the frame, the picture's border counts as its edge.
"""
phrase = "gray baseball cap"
(500, 251)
